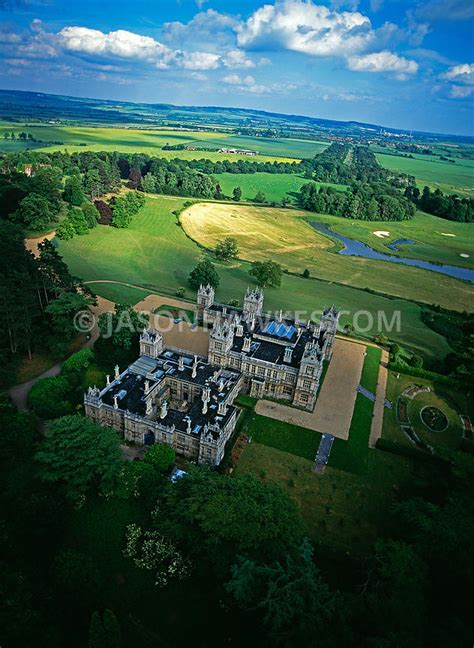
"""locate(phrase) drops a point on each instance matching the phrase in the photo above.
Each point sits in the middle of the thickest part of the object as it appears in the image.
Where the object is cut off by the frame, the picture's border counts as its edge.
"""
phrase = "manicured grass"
(284, 235)
(436, 173)
(155, 253)
(428, 232)
(340, 509)
(352, 455)
(275, 186)
(284, 436)
(449, 400)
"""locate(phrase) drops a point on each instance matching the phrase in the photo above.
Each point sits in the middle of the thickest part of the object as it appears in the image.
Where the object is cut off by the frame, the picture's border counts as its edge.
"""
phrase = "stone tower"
(329, 322)
(205, 298)
(221, 339)
(151, 343)
(253, 302)
(309, 374)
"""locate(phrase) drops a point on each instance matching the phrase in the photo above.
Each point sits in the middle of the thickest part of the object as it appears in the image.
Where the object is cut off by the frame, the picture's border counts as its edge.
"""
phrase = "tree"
(237, 194)
(226, 249)
(204, 273)
(79, 455)
(306, 273)
(34, 212)
(416, 361)
(260, 197)
(91, 214)
(266, 273)
(63, 309)
(49, 397)
(104, 631)
(73, 191)
(160, 456)
(118, 342)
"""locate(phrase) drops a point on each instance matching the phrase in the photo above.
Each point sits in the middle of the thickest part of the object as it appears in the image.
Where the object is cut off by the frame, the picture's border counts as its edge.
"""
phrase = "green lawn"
(436, 240)
(155, 254)
(285, 236)
(353, 455)
(275, 186)
(436, 173)
(340, 509)
(284, 436)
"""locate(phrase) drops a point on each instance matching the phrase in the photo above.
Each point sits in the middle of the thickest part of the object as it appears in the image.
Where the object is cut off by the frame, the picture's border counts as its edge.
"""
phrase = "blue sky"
(400, 63)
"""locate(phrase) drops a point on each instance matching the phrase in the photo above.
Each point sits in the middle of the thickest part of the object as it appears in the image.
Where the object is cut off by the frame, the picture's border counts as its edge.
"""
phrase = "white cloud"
(200, 61)
(237, 59)
(207, 26)
(311, 29)
(382, 62)
(463, 73)
(245, 84)
(460, 92)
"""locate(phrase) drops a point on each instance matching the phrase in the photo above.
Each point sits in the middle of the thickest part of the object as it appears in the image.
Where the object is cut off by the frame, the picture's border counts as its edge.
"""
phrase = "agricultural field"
(284, 235)
(437, 240)
(154, 254)
(437, 174)
(148, 141)
(275, 186)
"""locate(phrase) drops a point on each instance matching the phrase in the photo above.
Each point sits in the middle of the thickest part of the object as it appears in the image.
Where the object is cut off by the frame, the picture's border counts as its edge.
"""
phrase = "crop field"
(450, 178)
(136, 140)
(155, 254)
(284, 235)
(437, 240)
(275, 186)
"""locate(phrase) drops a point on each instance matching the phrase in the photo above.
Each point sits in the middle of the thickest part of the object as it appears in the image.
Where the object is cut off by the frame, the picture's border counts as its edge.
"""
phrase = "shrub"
(48, 397)
(160, 456)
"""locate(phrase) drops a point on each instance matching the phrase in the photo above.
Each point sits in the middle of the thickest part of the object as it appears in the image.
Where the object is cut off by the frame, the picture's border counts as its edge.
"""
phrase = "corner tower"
(205, 298)
(151, 343)
(253, 302)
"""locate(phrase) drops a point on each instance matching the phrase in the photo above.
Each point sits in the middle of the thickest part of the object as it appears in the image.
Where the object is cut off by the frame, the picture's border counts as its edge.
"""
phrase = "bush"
(160, 456)
(422, 373)
(306, 273)
(48, 397)
(180, 292)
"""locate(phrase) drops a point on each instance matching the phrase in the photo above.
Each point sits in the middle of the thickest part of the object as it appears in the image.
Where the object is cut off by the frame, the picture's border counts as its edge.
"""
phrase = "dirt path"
(19, 393)
(377, 420)
(32, 243)
(333, 411)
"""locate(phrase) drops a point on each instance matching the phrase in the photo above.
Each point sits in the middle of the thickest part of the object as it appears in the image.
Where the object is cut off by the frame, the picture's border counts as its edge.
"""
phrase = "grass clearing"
(284, 436)
(284, 235)
(275, 186)
(156, 255)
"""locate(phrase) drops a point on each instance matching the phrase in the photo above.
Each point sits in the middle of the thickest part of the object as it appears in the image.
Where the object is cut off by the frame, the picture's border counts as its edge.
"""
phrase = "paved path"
(335, 403)
(377, 420)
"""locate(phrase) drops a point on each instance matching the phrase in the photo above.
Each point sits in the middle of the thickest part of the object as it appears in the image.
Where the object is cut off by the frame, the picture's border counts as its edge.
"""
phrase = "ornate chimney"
(181, 363)
(107, 380)
(115, 401)
(246, 345)
(222, 408)
(164, 410)
(206, 397)
(117, 372)
(195, 364)
(288, 354)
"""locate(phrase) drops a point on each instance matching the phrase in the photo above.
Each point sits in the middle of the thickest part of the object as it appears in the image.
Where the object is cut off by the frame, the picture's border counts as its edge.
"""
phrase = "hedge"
(422, 373)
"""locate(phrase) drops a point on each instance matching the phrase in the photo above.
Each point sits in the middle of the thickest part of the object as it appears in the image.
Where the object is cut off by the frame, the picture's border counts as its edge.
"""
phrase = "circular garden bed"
(434, 419)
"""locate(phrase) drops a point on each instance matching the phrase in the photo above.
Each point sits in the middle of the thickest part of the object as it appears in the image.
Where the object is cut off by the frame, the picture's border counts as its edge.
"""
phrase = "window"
(261, 371)
(309, 371)
(304, 398)
(218, 346)
(307, 384)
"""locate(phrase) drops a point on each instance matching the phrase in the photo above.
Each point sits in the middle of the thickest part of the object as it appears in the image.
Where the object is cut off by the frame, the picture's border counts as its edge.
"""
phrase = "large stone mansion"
(170, 396)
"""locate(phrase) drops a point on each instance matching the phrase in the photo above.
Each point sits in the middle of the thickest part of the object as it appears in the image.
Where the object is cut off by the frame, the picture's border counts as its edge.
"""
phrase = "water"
(356, 248)
(395, 244)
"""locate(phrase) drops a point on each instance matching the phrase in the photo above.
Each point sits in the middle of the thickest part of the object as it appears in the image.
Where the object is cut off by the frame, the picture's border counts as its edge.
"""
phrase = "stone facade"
(168, 396)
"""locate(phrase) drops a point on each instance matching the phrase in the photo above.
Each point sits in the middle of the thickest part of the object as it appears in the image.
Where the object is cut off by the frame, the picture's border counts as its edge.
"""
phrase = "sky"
(399, 63)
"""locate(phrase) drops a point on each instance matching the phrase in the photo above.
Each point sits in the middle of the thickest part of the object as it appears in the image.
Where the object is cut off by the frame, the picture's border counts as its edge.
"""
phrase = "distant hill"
(19, 106)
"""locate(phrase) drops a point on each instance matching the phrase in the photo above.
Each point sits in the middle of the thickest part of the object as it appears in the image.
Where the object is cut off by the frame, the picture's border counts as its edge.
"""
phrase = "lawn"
(155, 254)
(449, 400)
(340, 509)
(284, 235)
(275, 186)
(353, 455)
(436, 173)
(284, 436)
(436, 240)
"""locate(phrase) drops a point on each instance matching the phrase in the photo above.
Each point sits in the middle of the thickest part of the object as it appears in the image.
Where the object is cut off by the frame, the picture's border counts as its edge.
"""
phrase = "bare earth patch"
(381, 233)
(333, 411)
(32, 243)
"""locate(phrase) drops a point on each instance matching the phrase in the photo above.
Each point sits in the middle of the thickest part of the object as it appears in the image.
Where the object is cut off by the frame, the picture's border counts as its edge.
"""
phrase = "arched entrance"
(149, 438)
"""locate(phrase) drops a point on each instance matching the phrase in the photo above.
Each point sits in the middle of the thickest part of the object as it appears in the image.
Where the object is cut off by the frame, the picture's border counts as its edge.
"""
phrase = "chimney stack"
(246, 345)
(117, 372)
(107, 380)
(164, 410)
(288, 354)
(181, 363)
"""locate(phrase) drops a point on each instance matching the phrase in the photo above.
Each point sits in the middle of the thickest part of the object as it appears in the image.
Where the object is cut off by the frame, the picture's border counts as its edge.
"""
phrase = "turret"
(253, 302)
(328, 325)
(221, 340)
(151, 343)
(205, 298)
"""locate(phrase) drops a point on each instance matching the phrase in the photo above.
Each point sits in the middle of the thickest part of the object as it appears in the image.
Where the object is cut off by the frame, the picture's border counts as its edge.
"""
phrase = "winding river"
(356, 248)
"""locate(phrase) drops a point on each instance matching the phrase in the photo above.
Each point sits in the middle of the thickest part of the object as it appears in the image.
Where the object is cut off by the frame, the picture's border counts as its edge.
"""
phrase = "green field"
(428, 170)
(436, 240)
(275, 186)
(285, 236)
(148, 141)
(155, 253)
